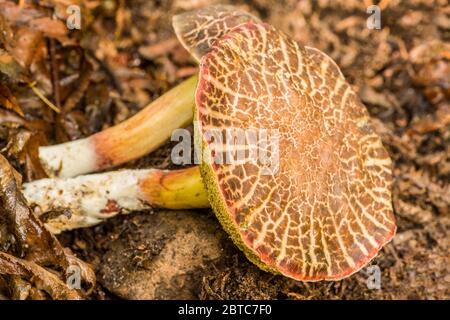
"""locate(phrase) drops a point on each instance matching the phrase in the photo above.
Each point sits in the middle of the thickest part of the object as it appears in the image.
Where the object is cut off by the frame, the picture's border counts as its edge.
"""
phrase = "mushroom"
(324, 211)
(152, 126)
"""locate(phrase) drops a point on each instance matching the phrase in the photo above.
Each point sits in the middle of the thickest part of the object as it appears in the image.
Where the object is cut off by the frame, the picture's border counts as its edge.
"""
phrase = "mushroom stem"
(129, 140)
(96, 197)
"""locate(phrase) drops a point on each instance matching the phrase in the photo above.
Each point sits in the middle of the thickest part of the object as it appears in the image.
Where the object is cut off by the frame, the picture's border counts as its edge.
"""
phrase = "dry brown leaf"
(28, 238)
(36, 20)
(8, 101)
(440, 119)
(41, 278)
(6, 35)
(10, 68)
(23, 146)
(53, 29)
(33, 242)
(28, 47)
(158, 49)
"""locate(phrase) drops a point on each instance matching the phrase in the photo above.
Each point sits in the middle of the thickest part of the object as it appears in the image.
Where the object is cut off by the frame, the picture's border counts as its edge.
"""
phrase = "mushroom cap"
(197, 30)
(326, 211)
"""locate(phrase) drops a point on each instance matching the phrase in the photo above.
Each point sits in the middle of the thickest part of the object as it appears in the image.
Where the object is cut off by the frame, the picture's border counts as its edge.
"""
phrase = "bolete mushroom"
(325, 211)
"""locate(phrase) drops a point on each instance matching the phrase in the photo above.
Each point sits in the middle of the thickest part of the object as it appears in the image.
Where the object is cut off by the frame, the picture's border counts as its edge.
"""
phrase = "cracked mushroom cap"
(197, 30)
(326, 210)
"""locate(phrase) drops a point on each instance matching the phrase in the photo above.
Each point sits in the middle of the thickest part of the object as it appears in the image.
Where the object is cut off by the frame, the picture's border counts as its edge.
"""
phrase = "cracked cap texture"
(326, 211)
(197, 30)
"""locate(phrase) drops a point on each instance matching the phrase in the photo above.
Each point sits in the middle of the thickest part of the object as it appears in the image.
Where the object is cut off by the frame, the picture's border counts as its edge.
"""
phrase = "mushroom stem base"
(83, 201)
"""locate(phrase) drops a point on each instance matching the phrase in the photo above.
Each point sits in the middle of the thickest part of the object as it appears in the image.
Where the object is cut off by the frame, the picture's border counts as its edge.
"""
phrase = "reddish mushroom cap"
(327, 211)
(197, 30)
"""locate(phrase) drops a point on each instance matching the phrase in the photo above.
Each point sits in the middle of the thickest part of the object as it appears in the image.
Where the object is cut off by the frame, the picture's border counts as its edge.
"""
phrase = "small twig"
(84, 79)
(38, 92)
(120, 19)
(54, 73)
(156, 50)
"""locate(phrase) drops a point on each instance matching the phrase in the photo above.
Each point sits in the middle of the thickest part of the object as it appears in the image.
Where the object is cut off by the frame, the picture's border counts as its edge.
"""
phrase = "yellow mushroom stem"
(178, 189)
(89, 199)
(129, 140)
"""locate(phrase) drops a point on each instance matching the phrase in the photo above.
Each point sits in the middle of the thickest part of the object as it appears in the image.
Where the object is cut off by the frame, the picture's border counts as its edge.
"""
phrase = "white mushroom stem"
(129, 140)
(91, 199)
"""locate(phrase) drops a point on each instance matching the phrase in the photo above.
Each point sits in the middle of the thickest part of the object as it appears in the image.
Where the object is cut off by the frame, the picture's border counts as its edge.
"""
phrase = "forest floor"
(126, 55)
